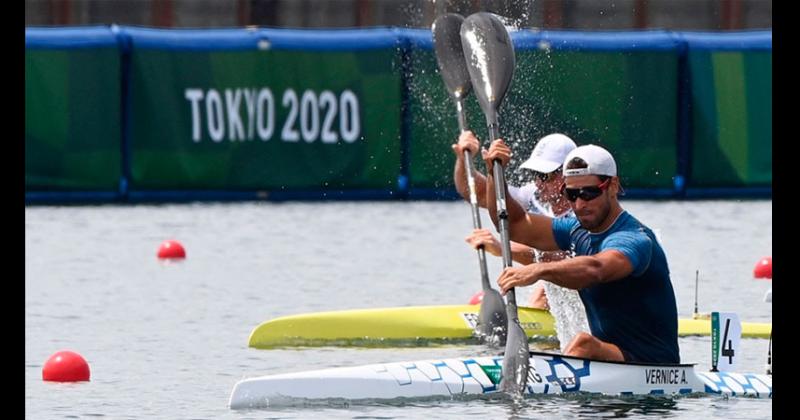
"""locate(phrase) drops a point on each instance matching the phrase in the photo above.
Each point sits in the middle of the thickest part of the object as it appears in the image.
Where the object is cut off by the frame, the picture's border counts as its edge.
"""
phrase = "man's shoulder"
(526, 195)
(627, 231)
(626, 222)
(528, 191)
(567, 222)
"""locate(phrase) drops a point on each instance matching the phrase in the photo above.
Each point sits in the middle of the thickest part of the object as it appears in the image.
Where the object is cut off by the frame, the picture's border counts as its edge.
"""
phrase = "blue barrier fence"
(126, 39)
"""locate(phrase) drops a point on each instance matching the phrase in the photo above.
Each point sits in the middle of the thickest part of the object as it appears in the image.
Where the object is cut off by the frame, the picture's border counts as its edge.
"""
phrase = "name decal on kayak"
(665, 376)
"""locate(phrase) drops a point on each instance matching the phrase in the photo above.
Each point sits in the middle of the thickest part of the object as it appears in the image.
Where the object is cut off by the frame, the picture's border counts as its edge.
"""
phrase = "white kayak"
(446, 378)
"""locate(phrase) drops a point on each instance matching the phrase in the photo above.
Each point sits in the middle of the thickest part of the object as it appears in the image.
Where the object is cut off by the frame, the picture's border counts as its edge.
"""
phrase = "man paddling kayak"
(542, 196)
(620, 269)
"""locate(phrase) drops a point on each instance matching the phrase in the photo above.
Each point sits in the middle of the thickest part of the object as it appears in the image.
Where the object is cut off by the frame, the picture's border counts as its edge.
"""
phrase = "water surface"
(170, 340)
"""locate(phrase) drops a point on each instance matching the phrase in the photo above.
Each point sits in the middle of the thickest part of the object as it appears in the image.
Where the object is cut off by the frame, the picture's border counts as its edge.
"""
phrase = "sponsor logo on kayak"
(494, 372)
(471, 319)
(533, 375)
(531, 325)
(568, 377)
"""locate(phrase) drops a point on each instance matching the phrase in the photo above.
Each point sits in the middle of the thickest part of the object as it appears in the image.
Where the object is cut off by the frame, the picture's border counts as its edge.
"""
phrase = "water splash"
(519, 123)
(494, 339)
(567, 309)
(524, 116)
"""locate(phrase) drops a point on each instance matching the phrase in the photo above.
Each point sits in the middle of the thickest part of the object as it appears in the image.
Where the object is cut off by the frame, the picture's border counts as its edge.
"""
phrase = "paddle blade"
(516, 361)
(450, 55)
(490, 60)
(492, 319)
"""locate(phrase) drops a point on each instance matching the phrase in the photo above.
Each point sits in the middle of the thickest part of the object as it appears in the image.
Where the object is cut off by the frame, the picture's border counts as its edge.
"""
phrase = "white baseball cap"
(549, 153)
(599, 161)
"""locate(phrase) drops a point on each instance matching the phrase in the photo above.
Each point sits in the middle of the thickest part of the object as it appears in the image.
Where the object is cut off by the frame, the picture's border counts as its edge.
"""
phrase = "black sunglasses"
(585, 193)
(545, 176)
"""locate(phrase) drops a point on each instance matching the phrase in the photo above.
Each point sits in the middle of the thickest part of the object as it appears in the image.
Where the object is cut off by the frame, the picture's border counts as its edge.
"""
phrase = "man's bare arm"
(573, 273)
(530, 229)
(468, 141)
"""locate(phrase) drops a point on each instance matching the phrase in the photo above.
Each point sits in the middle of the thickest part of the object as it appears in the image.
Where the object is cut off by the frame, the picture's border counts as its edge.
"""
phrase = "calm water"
(170, 340)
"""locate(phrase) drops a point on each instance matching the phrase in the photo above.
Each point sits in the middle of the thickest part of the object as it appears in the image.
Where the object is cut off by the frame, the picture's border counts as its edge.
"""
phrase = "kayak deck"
(548, 374)
(415, 326)
(411, 325)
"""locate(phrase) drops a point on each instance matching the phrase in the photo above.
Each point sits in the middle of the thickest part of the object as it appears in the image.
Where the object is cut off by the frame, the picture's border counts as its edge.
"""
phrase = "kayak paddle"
(491, 325)
(490, 60)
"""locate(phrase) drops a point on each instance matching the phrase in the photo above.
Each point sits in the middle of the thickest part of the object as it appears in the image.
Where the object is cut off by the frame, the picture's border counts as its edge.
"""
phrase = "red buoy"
(65, 366)
(763, 269)
(171, 249)
(476, 298)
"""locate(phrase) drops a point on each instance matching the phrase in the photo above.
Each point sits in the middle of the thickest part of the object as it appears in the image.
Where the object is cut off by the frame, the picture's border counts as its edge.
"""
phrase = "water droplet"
(544, 45)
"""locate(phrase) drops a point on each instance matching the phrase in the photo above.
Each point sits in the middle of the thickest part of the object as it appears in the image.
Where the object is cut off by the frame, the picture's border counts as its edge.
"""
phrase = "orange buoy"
(65, 366)
(476, 298)
(763, 269)
(171, 249)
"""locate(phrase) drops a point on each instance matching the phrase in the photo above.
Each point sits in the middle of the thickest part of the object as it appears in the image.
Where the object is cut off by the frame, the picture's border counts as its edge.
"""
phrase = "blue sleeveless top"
(637, 313)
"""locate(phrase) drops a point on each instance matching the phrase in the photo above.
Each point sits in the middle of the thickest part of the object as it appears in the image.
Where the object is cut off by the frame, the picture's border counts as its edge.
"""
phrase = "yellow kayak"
(688, 327)
(418, 326)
